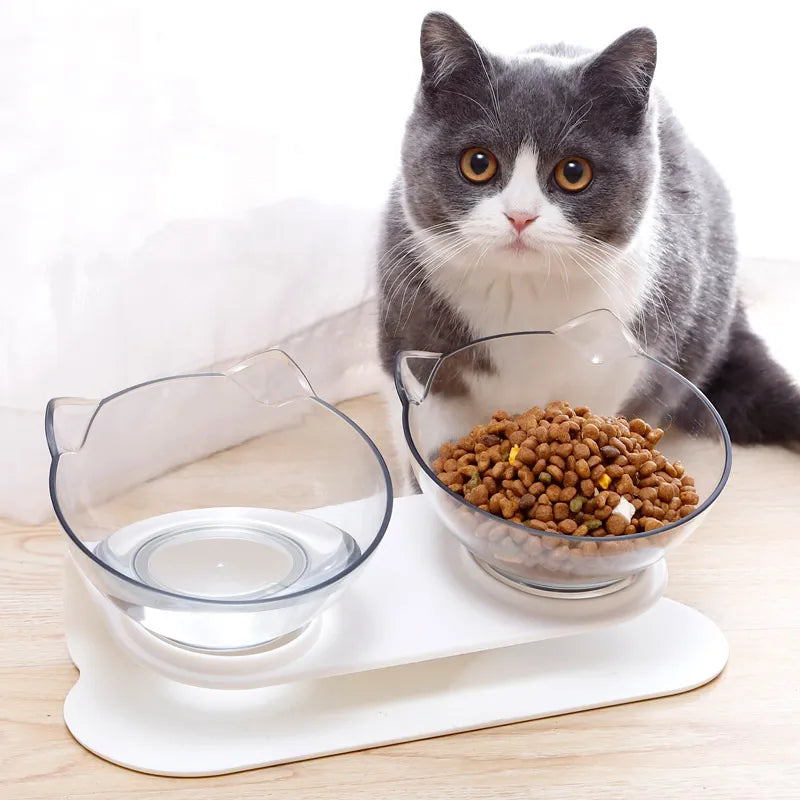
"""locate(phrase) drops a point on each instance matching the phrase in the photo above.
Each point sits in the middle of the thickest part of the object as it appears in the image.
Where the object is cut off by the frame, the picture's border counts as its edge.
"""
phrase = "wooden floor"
(739, 737)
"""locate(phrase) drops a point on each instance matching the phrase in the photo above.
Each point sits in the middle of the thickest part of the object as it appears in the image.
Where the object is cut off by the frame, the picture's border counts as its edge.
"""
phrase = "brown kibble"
(564, 450)
(647, 469)
(594, 461)
(449, 477)
(598, 472)
(500, 415)
(478, 496)
(539, 466)
(590, 431)
(568, 526)
(650, 480)
(560, 511)
(567, 493)
(604, 513)
(525, 475)
(594, 447)
(541, 433)
(679, 470)
(666, 491)
(543, 451)
(438, 465)
(526, 502)
(537, 525)
(456, 487)
(581, 530)
(684, 511)
(494, 503)
(587, 487)
(582, 468)
(466, 443)
(630, 529)
(526, 456)
(687, 481)
(490, 483)
(689, 498)
(570, 479)
(580, 450)
(508, 507)
(498, 470)
(537, 488)
(553, 493)
(615, 441)
(559, 462)
(613, 499)
(615, 471)
(556, 472)
(650, 524)
(639, 426)
(616, 524)
(654, 436)
(543, 513)
(671, 516)
(517, 437)
(648, 493)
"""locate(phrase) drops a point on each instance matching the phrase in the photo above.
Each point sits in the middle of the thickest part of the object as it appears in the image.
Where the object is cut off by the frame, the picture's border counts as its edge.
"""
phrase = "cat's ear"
(446, 50)
(620, 76)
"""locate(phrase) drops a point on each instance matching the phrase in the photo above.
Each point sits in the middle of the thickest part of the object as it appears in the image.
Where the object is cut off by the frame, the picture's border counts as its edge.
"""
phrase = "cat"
(566, 160)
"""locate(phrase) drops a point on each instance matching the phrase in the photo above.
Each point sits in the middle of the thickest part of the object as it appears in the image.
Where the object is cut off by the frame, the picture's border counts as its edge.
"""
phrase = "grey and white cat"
(567, 162)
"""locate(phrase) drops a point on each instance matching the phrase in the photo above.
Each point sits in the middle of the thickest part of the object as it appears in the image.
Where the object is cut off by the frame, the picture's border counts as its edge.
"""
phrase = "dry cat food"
(568, 470)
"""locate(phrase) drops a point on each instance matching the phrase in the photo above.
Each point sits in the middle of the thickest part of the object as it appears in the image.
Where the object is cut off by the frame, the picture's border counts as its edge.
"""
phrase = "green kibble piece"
(545, 477)
(576, 504)
(473, 482)
(592, 524)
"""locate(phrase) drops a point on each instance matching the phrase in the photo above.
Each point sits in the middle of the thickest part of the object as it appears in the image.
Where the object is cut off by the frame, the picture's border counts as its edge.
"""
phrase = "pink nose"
(521, 219)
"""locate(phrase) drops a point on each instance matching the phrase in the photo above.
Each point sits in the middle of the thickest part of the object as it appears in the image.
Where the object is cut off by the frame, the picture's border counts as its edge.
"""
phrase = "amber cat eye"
(478, 165)
(573, 174)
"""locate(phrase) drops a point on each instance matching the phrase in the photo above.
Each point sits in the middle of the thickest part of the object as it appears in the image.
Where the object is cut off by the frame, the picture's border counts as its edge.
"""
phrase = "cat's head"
(538, 154)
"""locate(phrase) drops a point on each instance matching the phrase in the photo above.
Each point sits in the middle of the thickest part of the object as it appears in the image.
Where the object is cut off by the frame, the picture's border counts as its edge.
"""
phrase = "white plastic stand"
(424, 643)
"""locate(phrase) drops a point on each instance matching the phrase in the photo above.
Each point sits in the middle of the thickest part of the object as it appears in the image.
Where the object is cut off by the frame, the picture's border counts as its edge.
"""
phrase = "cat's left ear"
(621, 75)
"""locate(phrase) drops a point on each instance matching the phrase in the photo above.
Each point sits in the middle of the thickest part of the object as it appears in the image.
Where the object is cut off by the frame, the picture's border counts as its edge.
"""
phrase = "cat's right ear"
(446, 50)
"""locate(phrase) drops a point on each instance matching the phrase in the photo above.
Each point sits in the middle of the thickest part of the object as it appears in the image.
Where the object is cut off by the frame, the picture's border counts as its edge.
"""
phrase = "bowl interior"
(203, 495)
(517, 371)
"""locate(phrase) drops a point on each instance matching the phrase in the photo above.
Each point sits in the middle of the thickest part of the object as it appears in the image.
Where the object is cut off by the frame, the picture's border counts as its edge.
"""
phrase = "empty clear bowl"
(591, 361)
(221, 511)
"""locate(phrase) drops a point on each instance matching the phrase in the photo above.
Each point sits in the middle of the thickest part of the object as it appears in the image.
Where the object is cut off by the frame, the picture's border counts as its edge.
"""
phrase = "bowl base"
(542, 590)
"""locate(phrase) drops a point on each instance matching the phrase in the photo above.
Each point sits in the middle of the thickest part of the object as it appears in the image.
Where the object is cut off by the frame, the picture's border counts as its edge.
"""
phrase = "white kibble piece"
(625, 509)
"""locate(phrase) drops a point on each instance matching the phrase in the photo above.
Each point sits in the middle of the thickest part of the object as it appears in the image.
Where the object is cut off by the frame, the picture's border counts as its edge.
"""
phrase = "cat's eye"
(573, 174)
(478, 165)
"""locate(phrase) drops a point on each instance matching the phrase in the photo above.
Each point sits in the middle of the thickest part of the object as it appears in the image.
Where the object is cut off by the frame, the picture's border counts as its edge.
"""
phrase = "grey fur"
(601, 107)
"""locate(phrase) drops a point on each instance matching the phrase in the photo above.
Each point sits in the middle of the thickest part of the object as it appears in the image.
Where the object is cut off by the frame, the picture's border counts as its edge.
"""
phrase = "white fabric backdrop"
(187, 182)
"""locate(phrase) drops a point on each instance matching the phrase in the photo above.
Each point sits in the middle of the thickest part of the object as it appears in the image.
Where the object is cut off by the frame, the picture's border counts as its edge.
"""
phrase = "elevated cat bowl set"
(242, 589)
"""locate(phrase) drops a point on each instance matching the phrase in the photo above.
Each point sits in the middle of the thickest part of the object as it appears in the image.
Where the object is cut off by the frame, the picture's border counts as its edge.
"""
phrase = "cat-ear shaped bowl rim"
(229, 374)
(439, 358)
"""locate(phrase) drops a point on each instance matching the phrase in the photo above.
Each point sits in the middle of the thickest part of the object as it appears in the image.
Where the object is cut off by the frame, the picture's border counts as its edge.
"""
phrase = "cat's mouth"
(520, 246)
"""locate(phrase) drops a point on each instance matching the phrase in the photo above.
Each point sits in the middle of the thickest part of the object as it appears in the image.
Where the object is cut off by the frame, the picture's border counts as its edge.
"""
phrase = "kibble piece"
(567, 526)
(616, 524)
(560, 511)
(526, 501)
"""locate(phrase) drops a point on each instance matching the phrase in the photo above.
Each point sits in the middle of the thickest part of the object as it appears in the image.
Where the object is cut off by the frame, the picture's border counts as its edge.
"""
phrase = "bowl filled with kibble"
(565, 461)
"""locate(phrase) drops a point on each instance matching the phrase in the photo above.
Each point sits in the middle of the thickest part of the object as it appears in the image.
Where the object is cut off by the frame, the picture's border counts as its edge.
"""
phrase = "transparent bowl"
(220, 511)
(590, 361)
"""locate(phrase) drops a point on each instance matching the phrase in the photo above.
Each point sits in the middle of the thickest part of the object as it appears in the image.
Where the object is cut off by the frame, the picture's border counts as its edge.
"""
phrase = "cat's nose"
(520, 219)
